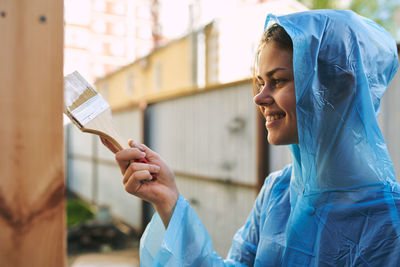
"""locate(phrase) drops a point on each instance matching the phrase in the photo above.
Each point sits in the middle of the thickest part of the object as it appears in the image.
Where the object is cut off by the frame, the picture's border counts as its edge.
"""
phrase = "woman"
(319, 80)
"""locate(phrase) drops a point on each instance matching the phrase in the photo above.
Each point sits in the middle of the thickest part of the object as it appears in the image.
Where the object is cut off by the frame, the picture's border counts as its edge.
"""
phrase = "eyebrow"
(270, 73)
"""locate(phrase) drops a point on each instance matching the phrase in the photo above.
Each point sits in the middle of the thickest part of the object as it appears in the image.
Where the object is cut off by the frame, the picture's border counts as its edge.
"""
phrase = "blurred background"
(177, 75)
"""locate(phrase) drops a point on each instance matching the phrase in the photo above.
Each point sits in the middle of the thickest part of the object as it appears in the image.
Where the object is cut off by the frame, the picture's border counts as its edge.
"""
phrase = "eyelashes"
(259, 87)
(273, 84)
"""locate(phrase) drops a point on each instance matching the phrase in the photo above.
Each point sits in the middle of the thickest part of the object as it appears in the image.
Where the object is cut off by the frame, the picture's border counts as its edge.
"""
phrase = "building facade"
(103, 35)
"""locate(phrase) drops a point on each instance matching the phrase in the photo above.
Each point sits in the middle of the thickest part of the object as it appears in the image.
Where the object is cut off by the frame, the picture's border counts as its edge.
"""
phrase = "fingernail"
(143, 154)
(135, 144)
(156, 168)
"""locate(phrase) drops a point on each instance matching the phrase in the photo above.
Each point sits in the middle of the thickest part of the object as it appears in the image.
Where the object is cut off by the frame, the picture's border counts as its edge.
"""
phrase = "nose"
(264, 97)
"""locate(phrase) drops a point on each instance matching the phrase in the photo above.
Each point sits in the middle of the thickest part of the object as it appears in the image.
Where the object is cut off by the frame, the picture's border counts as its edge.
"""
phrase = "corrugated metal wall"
(210, 134)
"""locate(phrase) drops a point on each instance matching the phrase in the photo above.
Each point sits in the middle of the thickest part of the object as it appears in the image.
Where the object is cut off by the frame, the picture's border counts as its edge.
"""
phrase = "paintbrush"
(89, 111)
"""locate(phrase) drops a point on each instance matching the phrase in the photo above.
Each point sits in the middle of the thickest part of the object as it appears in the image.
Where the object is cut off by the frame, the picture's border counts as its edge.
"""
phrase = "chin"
(273, 141)
(276, 141)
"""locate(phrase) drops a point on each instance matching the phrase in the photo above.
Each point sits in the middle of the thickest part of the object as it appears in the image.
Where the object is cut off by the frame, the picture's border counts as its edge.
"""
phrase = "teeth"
(274, 117)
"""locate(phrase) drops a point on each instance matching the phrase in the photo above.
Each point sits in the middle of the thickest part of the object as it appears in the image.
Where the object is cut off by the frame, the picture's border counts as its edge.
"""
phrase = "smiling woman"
(274, 91)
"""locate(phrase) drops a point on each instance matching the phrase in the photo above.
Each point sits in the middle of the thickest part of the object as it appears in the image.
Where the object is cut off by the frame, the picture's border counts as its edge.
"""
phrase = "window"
(99, 26)
(117, 49)
(77, 12)
(130, 83)
(100, 5)
(119, 8)
(144, 12)
(201, 60)
(144, 32)
(77, 37)
(157, 77)
(118, 29)
(97, 47)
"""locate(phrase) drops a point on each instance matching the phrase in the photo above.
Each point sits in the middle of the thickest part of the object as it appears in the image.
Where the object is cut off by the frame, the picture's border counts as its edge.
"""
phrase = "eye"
(277, 82)
(259, 86)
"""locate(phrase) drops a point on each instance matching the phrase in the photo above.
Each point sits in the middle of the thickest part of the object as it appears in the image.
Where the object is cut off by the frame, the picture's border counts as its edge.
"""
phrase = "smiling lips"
(274, 117)
(270, 119)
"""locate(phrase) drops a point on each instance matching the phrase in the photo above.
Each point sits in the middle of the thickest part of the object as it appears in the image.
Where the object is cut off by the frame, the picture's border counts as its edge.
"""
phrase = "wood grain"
(32, 209)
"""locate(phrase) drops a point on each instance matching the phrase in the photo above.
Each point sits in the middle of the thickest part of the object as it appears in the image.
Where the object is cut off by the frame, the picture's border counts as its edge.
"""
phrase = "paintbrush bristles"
(87, 94)
(75, 85)
(88, 110)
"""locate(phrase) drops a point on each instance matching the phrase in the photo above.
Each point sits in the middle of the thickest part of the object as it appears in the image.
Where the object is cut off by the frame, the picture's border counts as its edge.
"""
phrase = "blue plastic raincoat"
(338, 204)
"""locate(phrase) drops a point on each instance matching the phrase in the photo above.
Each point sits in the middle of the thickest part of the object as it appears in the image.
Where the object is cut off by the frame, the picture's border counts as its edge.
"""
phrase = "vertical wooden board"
(32, 216)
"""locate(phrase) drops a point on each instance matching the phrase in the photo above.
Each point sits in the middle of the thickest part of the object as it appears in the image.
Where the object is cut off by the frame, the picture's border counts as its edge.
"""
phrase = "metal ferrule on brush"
(90, 109)
(82, 102)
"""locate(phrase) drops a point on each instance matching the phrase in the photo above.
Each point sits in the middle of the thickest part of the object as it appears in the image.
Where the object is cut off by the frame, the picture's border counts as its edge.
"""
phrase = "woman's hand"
(153, 182)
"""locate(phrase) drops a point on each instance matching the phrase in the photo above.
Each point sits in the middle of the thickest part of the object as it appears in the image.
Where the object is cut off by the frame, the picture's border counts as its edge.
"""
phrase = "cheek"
(289, 104)
(293, 109)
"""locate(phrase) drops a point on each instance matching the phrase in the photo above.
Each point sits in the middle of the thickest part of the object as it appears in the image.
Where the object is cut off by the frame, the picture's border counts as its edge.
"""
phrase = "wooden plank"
(32, 212)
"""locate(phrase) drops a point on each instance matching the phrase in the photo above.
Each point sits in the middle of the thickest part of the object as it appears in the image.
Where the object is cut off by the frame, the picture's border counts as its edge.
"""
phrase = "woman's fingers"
(136, 180)
(140, 171)
(126, 156)
(129, 154)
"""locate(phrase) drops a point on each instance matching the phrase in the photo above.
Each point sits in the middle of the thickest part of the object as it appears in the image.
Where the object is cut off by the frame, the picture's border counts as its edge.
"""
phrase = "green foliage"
(380, 11)
(323, 4)
(78, 212)
(320, 4)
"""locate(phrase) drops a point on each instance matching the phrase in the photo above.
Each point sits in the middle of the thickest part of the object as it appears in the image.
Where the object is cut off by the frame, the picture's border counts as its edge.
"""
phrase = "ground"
(128, 257)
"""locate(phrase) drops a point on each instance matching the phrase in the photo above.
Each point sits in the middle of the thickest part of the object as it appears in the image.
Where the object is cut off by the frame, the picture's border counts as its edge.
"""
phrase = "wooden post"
(32, 207)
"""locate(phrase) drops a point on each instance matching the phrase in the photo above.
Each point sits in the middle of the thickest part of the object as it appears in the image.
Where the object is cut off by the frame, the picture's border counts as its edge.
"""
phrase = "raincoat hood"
(342, 65)
(341, 166)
